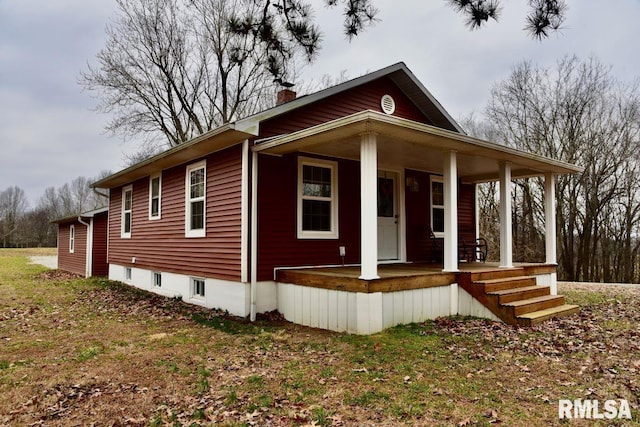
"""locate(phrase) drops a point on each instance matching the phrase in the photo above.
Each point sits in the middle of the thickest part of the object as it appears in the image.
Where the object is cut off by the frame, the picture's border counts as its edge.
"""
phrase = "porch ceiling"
(407, 144)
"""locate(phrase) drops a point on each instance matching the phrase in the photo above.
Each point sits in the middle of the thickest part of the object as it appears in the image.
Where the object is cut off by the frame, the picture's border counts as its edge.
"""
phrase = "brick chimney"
(285, 95)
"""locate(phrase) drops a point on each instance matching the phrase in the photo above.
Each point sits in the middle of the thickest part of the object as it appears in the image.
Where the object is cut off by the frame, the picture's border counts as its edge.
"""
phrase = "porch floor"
(397, 276)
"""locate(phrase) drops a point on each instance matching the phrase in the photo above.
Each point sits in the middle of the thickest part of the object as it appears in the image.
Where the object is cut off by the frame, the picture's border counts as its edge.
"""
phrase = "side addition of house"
(350, 209)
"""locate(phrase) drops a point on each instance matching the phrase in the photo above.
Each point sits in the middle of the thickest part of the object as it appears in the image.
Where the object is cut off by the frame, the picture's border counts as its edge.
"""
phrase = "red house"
(82, 243)
(321, 208)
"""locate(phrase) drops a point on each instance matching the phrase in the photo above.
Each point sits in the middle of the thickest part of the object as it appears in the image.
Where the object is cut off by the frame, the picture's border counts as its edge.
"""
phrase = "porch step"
(500, 284)
(534, 304)
(517, 294)
(480, 276)
(540, 316)
(515, 298)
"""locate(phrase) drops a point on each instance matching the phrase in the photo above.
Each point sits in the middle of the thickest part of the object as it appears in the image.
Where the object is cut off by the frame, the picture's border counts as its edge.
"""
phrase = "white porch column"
(450, 184)
(550, 218)
(506, 233)
(369, 206)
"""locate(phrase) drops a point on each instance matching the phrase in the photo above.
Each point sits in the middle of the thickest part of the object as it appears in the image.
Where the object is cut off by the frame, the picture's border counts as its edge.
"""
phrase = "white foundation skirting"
(235, 297)
(360, 313)
(340, 311)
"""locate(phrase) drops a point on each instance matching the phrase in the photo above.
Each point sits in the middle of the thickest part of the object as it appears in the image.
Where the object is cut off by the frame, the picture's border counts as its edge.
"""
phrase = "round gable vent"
(388, 104)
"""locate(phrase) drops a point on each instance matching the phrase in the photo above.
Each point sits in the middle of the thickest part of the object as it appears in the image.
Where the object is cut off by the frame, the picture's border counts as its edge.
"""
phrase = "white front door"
(387, 215)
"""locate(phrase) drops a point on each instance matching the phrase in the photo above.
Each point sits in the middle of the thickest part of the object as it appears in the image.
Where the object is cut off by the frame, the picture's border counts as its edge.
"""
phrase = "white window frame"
(157, 176)
(194, 293)
(433, 206)
(200, 232)
(72, 238)
(156, 279)
(333, 233)
(127, 274)
(126, 234)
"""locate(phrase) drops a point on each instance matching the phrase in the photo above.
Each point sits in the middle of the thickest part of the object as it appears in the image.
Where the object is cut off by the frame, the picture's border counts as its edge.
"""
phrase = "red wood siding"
(99, 264)
(277, 213)
(364, 97)
(75, 262)
(418, 208)
(162, 245)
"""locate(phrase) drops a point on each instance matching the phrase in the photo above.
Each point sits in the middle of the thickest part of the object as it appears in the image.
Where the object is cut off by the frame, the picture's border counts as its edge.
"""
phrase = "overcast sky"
(49, 133)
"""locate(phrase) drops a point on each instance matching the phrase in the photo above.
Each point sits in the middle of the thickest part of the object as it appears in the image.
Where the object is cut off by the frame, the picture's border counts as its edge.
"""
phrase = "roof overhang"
(83, 216)
(205, 144)
(404, 143)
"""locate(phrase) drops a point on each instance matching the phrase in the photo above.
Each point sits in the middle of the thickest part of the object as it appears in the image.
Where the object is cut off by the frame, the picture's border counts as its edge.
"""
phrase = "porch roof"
(408, 144)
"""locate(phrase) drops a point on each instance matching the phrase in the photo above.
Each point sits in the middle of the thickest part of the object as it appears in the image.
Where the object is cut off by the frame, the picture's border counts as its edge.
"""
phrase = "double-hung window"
(155, 183)
(317, 199)
(196, 191)
(72, 238)
(127, 211)
(437, 206)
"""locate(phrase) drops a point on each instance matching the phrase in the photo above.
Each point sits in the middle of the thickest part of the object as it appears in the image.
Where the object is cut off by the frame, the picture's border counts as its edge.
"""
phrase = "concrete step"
(492, 285)
(516, 294)
(534, 304)
(536, 317)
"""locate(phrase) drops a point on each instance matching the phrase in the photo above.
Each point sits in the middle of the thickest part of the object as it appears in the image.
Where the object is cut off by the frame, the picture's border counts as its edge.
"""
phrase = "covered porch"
(372, 295)
(386, 142)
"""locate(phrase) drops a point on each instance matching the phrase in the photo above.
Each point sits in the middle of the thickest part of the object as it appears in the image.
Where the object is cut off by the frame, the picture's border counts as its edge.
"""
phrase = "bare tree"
(13, 205)
(580, 114)
(172, 69)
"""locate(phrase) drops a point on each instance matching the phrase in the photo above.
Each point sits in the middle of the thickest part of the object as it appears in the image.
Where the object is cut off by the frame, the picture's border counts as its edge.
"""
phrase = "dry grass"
(76, 352)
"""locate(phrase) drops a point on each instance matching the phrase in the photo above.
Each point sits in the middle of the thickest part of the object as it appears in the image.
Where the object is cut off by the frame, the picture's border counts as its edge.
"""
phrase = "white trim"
(199, 232)
(72, 238)
(126, 234)
(157, 176)
(244, 214)
(432, 179)
(89, 249)
(333, 233)
(253, 291)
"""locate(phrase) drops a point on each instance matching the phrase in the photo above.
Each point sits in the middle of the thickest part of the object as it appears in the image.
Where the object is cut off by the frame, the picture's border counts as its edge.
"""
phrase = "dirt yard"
(94, 352)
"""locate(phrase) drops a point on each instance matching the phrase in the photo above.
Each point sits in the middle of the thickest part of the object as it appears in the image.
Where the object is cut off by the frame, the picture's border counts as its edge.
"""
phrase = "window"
(127, 210)
(127, 273)
(155, 183)
(72, 238)
(317, 199)
(437, 206)
(195, 220)
(157, 279)
(197, 287)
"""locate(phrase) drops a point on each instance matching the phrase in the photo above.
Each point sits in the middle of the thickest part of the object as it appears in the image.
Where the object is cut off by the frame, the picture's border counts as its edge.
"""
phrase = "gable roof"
(399, 74)
(236, 132)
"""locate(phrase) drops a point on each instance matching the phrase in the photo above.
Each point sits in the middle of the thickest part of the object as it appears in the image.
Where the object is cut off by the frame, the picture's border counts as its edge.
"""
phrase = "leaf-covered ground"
(82, 352)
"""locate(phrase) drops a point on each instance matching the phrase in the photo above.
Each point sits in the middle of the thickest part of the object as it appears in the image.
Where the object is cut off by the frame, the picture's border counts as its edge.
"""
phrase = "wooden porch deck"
(400, 276)
(512, 294)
